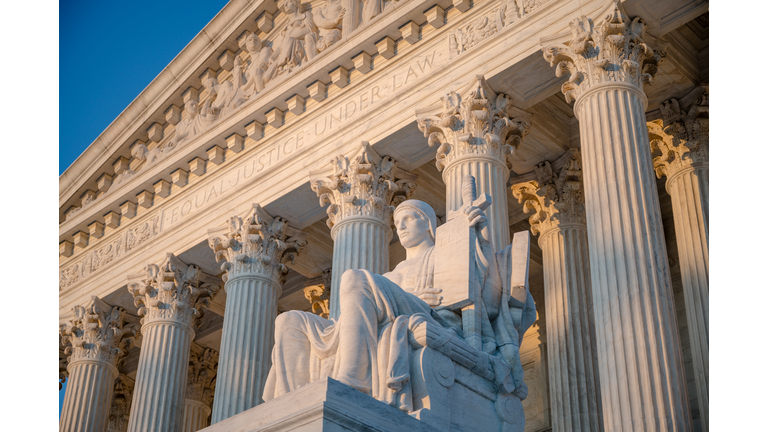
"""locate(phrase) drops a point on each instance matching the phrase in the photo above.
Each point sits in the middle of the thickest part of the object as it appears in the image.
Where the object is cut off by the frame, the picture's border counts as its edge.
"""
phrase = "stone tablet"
(454, 263)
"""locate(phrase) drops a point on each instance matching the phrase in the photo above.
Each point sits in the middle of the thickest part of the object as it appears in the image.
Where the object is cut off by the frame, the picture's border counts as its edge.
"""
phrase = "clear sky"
(109, 51)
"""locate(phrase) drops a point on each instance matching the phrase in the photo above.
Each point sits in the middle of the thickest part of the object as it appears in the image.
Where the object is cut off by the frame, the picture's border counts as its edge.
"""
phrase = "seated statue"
(367, 347)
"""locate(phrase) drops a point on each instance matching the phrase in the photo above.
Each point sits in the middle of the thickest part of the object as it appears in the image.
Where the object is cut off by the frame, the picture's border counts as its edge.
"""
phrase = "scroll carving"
(257, 245)
(554, 199)
(366, 185)
(681, 138)
(201, 377)
(121, 404)
(174, 291)
(478, 123)
(98, 332)
(613, 51)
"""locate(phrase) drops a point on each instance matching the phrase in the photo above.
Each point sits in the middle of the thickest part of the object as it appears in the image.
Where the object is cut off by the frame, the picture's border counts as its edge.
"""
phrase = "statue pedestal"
(324, 405)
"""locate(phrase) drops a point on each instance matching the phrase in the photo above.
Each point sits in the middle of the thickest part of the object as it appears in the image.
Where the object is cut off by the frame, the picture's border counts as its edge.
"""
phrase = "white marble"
(557, 203)
(639, 354)
(96, 340)
(477, 131)
(171, 296)
(362, 192)
(254, 250)
(682, 141)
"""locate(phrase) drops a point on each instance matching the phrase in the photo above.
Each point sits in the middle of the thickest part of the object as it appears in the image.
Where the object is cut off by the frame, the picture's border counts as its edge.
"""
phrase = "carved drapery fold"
(363, 192)
(477, 132)
(96, 339)
(170, 298)
(254, 251)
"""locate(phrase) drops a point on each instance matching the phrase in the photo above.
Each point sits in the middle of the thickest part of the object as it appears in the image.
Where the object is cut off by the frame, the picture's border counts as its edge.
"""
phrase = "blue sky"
(109, 52)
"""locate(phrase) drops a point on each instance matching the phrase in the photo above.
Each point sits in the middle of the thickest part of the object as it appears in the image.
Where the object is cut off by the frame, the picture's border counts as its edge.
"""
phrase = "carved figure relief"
(374, 8)
(469, 35)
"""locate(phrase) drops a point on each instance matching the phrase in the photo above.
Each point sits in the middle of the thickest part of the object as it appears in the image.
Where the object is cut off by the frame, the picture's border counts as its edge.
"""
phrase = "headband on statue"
(422, 209)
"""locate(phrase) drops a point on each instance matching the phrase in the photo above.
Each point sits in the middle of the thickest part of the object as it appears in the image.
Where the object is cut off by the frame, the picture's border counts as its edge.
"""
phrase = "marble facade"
(269, 157)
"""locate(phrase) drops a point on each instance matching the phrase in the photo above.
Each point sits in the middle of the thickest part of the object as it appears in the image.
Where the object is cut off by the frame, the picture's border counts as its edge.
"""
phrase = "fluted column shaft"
(573, 368)
(195, 416)
(246, 344)
(689, 190)
(359, 243)
(491, 177)
(161, 377)
(88, 397)
(641, 368)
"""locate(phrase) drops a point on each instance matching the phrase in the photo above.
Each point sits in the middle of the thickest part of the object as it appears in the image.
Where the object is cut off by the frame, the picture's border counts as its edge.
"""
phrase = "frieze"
(336, 118)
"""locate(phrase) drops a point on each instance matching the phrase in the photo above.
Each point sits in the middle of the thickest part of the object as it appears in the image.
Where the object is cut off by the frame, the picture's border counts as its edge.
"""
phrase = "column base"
(324, 405)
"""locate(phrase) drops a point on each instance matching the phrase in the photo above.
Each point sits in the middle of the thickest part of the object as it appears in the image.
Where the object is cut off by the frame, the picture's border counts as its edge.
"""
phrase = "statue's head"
(191, 107)
(252, 43)
(139, 151)
(289, 6)
(415, 222)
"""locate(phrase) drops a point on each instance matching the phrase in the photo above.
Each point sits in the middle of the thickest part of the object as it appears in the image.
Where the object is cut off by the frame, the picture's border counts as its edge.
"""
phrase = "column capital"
(121, 404)
(318, 292)
(257, 245)
(201, 378)
(554, 199)
(365, 185)
(474, 122)
(97, 332)
(681, 138)
(173, 291)
(616, 50)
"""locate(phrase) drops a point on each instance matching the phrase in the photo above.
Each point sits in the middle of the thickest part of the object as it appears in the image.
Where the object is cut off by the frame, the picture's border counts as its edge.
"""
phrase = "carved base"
(324, 405)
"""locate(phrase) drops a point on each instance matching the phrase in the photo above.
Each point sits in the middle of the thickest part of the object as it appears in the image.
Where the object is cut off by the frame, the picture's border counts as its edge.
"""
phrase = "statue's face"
(411, 228)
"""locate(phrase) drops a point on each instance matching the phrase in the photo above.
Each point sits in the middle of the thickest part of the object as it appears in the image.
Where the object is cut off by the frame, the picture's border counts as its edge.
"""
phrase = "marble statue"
(299, 39)
(254, 75)
(367, 347)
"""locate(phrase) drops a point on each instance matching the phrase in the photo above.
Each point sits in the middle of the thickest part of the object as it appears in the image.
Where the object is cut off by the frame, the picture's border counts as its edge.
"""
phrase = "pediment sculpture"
(387, 321)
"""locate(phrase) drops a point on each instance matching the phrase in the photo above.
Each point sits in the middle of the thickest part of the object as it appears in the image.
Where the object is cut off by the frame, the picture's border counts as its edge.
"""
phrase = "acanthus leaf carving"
(366, 185)
(612, 51)
(99, 332)
(201, 374)
(481, 122)
(121, 404)
(174, 291)
(257, 245)
(553, 199)
(680, 139)
(319, 295)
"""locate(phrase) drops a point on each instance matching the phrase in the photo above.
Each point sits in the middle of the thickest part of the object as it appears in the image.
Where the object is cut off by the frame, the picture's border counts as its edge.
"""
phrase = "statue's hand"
(477, 218)
(430, 296)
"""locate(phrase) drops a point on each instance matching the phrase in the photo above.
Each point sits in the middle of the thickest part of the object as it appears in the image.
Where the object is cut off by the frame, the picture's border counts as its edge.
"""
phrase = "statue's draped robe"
(373, 326)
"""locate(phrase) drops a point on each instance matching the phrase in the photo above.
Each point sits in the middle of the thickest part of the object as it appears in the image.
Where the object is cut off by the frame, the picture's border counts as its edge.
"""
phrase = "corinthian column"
(255, 250)
(682, 142)
(362, 194)
(96, 341)
(641, 368)
(171, 297)
(121, 404)
(201, 381)
(557, 204)
(477, 132)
